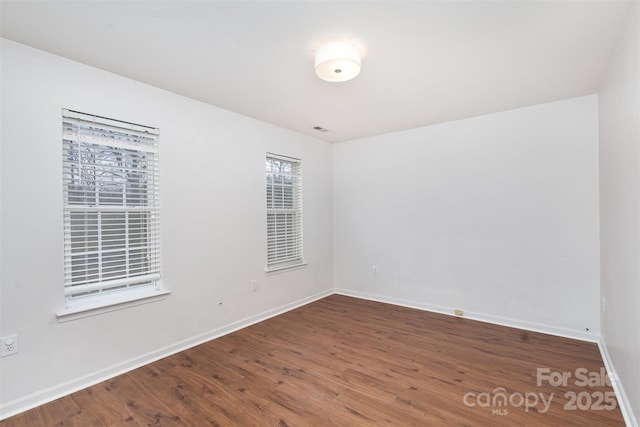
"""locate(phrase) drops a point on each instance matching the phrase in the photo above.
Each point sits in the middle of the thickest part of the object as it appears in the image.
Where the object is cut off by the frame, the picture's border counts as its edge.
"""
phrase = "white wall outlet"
(8, 345)
(604, 307)
(376, 270)
(458, 312)
(254, 285)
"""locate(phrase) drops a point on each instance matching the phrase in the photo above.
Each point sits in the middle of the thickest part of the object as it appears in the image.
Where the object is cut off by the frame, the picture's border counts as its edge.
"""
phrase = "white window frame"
(284, 212)
(111, 212)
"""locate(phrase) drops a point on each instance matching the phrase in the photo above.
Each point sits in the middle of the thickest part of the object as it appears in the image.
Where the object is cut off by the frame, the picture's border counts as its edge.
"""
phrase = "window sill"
(282, 269)
(109, 303)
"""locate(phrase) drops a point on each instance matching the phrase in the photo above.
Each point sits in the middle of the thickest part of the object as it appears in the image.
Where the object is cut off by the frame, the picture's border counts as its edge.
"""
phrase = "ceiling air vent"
(320, 129)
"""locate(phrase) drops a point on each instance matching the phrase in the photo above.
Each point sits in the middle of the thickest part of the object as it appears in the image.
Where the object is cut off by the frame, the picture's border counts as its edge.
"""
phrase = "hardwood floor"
(343, 361)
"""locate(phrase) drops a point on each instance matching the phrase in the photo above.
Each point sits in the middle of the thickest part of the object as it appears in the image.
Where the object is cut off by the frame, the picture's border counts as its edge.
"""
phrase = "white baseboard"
(487, 318)
(8, 409)
(623, 400)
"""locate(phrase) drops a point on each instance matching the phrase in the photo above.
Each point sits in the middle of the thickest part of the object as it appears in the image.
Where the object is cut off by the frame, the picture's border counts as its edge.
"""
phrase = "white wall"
(619, 109)
(496, 215)
(213, 222)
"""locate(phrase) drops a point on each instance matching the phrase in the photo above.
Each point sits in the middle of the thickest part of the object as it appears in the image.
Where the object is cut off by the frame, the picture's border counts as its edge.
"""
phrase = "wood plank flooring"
(343, 361)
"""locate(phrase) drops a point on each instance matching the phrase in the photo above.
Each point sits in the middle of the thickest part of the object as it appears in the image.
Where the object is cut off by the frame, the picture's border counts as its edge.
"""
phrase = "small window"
(284, 212)
(111, 206)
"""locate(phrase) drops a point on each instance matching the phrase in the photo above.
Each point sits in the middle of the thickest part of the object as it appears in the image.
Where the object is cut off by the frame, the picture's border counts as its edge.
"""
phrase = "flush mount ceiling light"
(338, 61)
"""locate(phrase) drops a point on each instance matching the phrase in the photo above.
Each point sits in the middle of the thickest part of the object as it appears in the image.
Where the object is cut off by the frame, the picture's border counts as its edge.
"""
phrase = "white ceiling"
(424, 62)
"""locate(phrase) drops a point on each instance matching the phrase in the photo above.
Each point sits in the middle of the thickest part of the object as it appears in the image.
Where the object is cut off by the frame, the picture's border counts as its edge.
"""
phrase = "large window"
(111, 206)
(284, 212)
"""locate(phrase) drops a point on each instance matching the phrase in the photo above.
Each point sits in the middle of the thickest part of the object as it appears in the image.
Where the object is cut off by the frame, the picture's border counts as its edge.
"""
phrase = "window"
(284, 212)
(111, 206)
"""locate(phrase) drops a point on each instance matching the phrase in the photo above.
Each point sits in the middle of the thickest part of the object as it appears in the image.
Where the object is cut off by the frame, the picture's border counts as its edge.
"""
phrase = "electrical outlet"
(458, 312)
(604, 306)
(8, 345)
(254, 285)
(376, 270)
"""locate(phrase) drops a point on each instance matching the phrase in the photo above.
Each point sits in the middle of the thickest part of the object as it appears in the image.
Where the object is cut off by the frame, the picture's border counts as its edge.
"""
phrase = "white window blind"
(111, 205)
(284, 212)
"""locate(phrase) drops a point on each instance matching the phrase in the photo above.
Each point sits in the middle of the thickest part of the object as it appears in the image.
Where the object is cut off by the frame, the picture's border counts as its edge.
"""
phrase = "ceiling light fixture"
(338, 61)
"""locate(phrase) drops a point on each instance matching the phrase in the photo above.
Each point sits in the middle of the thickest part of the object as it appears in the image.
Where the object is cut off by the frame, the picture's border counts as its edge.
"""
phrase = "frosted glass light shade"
(338, 62)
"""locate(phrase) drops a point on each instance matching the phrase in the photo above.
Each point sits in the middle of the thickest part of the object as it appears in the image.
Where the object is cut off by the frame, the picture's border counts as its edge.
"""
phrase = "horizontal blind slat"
(76, 289)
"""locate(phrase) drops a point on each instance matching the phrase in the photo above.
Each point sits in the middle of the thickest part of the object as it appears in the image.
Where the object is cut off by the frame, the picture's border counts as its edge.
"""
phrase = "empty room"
(320, 213)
